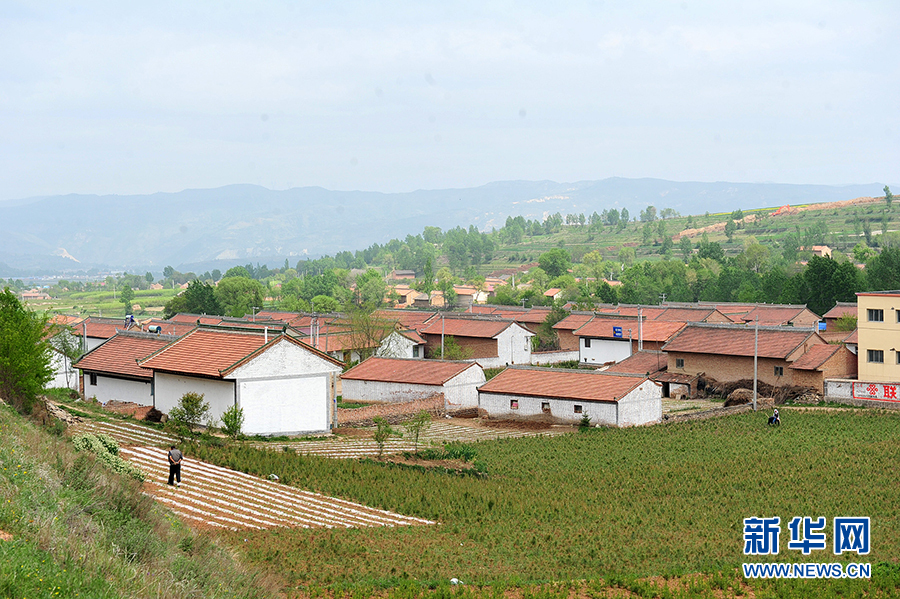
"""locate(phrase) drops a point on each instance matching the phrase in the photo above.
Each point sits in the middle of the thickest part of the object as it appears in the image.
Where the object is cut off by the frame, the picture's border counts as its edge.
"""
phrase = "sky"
(113, 97)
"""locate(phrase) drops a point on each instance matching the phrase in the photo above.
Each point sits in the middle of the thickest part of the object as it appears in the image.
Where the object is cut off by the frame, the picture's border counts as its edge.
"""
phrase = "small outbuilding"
(401, 380)
(567, 396)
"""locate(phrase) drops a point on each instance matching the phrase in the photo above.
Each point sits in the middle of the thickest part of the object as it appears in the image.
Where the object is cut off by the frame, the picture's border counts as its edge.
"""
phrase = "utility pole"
(442, 336)
(755, 354)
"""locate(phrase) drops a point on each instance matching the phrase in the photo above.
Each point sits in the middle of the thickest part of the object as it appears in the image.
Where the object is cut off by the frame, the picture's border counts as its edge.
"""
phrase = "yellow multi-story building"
(879, 341)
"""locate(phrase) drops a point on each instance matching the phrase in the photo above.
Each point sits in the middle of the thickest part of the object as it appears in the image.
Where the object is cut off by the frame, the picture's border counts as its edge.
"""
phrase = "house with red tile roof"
(795, 315)
(492, 342)
(654, 365)
(94, 330)
(399, 380)
(558, 395)
(840, 309)
(725, 352)
(402, 344)
(565, 329)
(829, 361)
(607, 339)
(110, 371)
(283, 385)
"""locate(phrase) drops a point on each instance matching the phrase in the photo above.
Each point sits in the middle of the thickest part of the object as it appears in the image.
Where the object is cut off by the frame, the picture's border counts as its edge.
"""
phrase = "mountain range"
(237, 224)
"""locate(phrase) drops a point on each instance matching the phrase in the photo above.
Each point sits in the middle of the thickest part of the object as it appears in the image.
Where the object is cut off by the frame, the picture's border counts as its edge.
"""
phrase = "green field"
(642, 502)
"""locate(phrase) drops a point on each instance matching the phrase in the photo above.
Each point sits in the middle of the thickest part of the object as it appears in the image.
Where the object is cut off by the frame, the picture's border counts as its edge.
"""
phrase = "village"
(617, 365)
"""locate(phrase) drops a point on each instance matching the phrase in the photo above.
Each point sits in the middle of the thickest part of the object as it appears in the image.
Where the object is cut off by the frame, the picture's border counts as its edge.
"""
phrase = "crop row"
(213, 496)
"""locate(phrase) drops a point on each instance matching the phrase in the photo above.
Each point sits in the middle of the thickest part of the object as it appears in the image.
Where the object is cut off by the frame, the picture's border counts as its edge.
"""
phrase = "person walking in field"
(175, 457)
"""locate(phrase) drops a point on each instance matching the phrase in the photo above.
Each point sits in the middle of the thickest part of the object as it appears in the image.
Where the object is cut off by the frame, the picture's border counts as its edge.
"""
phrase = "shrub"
(188, 415)
(233, 421)
(107, 451)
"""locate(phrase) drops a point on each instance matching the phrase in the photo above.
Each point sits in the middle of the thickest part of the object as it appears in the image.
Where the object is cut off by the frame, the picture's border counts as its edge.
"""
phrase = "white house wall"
(459, 392)
(497, 405)
(285, 406)
(513, 346)
(602, 351)
(61, 365)
(396, 345)
(109, 388)
(642, 405)
(169, 389)
(282, 359)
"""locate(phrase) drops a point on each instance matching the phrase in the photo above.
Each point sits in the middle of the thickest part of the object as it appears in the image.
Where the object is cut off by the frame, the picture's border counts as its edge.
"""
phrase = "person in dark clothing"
(175, 458)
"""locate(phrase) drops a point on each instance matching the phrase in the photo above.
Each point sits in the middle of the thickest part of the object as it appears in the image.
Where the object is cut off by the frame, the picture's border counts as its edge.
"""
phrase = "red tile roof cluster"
(209, 352)
(642, 362)
(686, 314)
(574, 321)
(564, 384)
(343, 341)
(195, 318)
(409, 371)
(466, 327)
(119, 354)
(169, 327)
(99, 328)
(735, 340)
(815, 357)
(842, 309)
(410, 319)
(652, 330)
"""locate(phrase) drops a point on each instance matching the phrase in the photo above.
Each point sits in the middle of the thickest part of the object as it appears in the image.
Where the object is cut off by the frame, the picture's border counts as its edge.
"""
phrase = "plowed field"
(211, 496)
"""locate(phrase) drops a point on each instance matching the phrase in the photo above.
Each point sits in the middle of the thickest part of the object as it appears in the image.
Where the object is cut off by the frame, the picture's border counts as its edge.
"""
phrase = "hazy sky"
(126, 97)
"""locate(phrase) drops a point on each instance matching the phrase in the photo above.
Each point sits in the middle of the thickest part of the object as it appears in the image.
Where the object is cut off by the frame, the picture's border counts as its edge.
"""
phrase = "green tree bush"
(417, 425)
(383, 432)
(185, 418)
(24, 353)
(233, 421)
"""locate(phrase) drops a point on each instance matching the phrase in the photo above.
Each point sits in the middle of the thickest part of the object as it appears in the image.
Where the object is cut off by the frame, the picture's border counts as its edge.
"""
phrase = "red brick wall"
(475, 347)
(842, 365)
(567, 340)
(731, 368)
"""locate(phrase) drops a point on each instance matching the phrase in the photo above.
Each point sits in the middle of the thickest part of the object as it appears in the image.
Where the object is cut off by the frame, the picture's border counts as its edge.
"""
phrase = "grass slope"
(663, 500)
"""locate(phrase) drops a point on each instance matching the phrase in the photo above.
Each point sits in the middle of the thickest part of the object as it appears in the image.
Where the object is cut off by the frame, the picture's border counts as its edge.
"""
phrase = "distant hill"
(242, 223)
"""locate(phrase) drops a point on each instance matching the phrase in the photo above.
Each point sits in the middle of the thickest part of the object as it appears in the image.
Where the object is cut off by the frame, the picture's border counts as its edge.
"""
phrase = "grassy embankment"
(620, 504)
(76, 529)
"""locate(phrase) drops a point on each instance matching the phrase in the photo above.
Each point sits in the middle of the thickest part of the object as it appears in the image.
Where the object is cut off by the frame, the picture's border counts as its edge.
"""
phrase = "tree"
(24, 353)
(730, 228)
(192, 410)
(370, 289)
(126, 297)
(686, 247)
(239, 296)
(68, 344)
(648, 215)
(555, 262)
(198, 298)
(168, 272)
(883, 270)
(324, 304)
(888, 196)
(451, 350)
(148, 276)
(238, 271)
(367, 331)
(233, 421)
(417, 425)
(383, 432)
(845, 323)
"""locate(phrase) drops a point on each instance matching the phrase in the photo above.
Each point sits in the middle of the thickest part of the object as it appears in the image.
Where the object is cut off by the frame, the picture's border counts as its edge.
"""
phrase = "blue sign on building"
(617, 332)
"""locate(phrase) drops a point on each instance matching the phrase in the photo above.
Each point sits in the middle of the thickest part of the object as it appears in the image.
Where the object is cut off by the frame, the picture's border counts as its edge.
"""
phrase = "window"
(577, 409)
(93, 380)
(679, 362)
(875, 355)
(415, 351)
(514, 404)
(875, 315)
(587, 342)
(779, 371)
(898, 357)
(545, 407)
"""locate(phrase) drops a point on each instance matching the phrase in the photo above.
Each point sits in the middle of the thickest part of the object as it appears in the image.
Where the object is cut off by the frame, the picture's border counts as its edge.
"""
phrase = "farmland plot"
(124, 432)
(215, 497)
(440, 431)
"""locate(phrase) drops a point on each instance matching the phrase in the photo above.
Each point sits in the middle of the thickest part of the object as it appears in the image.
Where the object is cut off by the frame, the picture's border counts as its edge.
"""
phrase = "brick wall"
(475, 347)
(567, 340)
(731, 368)
(394, 413)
